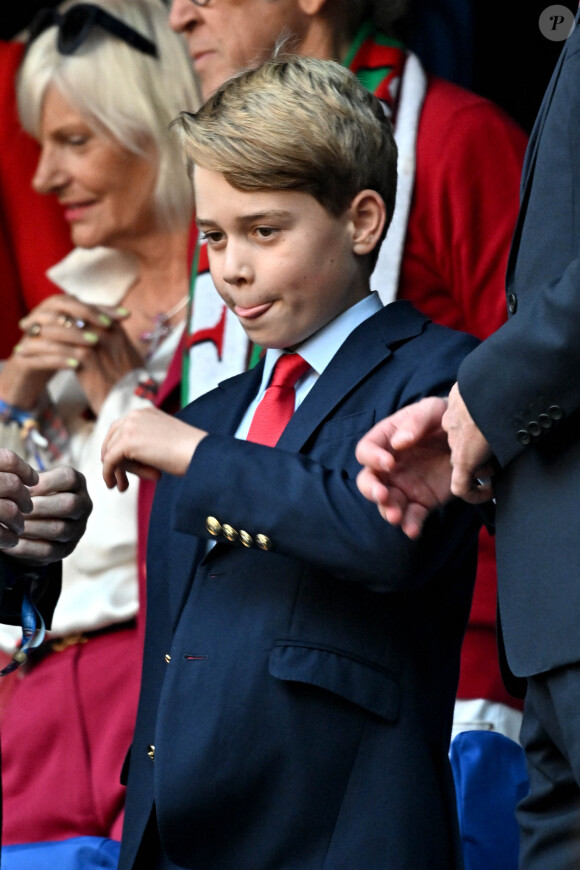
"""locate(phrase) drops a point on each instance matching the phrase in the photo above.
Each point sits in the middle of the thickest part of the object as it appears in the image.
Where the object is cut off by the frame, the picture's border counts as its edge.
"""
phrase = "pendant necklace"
(161, 327)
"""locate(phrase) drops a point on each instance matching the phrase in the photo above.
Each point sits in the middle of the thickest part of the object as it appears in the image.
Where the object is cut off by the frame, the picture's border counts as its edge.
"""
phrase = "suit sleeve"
(310, 507)
(527, 368)
(314, 514)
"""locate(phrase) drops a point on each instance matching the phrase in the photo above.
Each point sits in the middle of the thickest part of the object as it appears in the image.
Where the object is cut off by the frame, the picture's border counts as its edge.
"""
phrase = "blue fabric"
(78, 853)
(490, 778)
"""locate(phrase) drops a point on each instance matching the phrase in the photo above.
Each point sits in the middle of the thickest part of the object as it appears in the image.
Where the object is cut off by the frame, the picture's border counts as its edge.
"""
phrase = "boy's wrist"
(187, 450)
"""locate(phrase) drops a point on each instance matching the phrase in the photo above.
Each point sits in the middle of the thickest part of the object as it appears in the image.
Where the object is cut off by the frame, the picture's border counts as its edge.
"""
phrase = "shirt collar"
(319, 349)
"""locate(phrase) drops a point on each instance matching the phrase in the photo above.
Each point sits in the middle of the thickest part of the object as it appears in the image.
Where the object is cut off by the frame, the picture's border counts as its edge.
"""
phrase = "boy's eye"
(266, 232)
(212, 237)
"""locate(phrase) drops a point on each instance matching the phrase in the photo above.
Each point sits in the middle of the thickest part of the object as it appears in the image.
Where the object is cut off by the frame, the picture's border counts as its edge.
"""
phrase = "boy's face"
(278, 259)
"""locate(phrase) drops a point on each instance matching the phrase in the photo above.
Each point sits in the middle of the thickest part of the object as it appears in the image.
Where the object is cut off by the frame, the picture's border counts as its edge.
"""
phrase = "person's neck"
(162, 262)
(161, 284)
(327, 38)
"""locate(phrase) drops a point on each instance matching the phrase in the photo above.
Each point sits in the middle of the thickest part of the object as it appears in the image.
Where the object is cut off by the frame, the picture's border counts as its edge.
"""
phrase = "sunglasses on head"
(76, 23)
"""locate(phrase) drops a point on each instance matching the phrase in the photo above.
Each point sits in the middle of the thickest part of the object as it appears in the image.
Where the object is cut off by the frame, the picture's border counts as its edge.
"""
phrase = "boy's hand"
(406, 459)
(420, 457)
(147, 442)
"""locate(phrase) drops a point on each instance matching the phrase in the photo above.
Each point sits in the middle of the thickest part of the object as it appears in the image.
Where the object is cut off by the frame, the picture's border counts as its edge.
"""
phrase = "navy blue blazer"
(522, 387)
(299, 679)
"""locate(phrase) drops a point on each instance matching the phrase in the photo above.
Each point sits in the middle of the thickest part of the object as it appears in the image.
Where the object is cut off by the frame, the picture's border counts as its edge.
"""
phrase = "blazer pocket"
(361, 682)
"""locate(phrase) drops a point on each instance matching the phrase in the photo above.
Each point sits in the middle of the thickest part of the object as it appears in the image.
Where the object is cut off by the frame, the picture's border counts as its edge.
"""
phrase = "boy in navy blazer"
(301, 656)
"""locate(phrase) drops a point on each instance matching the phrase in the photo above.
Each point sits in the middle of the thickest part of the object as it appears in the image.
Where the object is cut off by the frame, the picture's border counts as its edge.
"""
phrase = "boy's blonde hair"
(124, 94)
(295, 123)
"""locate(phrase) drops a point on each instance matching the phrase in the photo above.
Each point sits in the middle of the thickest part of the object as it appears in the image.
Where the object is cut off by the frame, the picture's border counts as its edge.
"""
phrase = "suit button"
(555, 412)
(263, 542)
(545, 421)
(534, 429)
(213, 526)
(512, 303)
(230, 533)
(167, 658)
(246, 539)
(524, 437)
(151, 752)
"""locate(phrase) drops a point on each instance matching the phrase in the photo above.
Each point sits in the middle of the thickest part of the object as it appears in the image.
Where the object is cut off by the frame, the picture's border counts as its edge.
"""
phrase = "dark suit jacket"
(300, 698)
(522, 387)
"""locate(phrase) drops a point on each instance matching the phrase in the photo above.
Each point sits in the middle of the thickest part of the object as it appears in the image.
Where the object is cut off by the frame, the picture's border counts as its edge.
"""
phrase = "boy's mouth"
(252, 312)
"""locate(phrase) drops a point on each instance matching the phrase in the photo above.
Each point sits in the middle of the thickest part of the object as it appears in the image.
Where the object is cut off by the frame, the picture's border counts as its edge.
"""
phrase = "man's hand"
(470, 453)
(147, 442)
(406, 471)
(60, 507)
(16, 476)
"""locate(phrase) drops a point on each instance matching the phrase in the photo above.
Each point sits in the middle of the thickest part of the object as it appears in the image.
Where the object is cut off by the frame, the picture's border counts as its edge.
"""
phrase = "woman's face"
(105, 190)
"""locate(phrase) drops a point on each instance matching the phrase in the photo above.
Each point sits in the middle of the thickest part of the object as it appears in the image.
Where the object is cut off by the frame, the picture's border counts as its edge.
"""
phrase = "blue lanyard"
(33, 627)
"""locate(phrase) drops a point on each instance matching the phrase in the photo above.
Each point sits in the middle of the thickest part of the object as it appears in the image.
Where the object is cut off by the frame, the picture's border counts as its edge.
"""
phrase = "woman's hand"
(64, 333)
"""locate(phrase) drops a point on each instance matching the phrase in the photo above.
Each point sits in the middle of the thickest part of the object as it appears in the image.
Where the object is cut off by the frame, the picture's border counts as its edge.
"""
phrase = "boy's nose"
(237, 268)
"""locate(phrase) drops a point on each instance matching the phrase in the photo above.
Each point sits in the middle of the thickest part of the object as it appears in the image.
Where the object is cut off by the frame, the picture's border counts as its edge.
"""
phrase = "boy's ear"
(368, 216)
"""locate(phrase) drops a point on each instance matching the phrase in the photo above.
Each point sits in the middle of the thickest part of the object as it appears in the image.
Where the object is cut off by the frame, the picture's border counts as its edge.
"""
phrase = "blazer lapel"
(365, 349)
(229, 401)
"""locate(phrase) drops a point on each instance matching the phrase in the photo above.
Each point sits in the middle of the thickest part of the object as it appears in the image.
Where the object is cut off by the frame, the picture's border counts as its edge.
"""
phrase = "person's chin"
(83, 239)
(211, 73)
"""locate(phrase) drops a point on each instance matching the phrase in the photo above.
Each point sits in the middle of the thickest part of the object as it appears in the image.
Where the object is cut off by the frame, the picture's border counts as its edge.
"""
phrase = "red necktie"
(277, 404)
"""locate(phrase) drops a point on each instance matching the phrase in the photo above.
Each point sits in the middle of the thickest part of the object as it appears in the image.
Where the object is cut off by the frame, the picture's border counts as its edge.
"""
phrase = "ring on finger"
(33, 330)
(67, 321)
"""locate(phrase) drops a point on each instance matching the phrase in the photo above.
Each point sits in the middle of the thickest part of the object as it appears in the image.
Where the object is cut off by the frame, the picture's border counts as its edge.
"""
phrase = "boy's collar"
(319, 349)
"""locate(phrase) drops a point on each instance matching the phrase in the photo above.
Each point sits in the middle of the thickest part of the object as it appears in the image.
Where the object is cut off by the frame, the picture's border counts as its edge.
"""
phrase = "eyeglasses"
(76, 23)
(200, 2)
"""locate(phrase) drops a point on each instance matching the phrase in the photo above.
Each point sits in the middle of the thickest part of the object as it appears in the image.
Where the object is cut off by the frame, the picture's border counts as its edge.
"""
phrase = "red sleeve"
(464, 209)
(33, 233)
